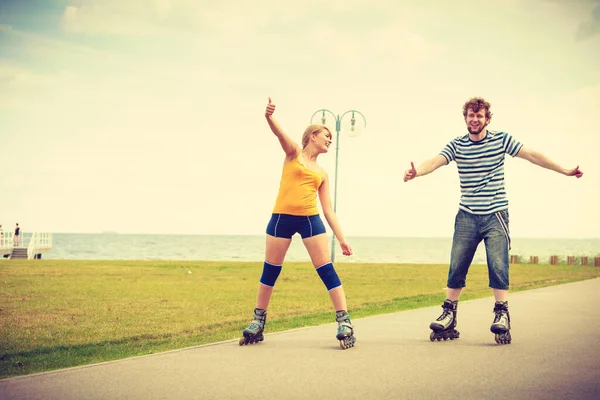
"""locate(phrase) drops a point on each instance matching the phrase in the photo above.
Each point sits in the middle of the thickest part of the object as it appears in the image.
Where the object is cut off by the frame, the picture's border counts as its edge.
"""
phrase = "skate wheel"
(503, 338)
(347, 343)
(250, 340)
(432, 336)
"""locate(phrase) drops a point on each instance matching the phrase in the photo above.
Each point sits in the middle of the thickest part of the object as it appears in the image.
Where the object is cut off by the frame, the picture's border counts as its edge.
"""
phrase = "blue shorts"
(285, 226)
(469, 231)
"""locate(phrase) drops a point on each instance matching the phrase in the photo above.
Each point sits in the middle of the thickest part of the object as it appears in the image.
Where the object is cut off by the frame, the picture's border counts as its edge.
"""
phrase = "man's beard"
(476, 131)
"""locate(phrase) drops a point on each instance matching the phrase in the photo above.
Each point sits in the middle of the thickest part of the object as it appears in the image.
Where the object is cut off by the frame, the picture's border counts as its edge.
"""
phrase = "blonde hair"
(313, 129)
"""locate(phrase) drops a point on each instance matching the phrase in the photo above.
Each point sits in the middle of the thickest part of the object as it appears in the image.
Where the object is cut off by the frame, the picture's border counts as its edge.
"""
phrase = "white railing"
(6, 243)
(38, 243)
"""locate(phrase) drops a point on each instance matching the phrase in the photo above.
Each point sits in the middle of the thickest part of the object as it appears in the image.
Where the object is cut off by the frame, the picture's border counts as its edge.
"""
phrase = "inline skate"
(254, 332)
(345, 331)
(501, 325)
(444, 326)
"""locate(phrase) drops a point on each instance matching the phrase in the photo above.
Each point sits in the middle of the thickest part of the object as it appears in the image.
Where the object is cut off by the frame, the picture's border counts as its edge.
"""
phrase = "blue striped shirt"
(481, 170)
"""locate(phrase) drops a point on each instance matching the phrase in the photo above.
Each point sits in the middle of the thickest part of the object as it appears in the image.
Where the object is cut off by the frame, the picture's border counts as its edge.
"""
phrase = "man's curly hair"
(477, 103)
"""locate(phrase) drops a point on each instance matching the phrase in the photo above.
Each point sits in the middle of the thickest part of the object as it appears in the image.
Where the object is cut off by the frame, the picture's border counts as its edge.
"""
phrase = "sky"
(148, 116)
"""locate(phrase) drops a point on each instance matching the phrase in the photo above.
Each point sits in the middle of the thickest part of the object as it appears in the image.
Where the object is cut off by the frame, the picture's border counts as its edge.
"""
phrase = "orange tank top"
(298, 190)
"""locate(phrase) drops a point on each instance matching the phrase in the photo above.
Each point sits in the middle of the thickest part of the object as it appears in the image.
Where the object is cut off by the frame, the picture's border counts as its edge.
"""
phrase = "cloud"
(349, 36)
(582, 106)
(10, 72)
(146, 18)
(112, 17)
(32, 39)
(590, 27)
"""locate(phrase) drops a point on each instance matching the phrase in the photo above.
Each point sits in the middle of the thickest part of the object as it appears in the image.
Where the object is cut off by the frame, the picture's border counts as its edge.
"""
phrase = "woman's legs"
(318, 250)
(275, 251)
(276, 248)
(319, 254)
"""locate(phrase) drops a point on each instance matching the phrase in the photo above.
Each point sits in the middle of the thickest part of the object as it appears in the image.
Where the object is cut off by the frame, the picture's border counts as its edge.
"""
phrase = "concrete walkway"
(555, 354)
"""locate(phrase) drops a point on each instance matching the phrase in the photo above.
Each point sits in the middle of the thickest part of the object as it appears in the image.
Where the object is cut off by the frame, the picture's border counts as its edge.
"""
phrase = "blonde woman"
(295, 211)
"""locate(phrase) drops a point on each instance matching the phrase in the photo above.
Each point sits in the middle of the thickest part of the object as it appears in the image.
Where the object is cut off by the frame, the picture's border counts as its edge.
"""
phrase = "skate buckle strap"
(260, 316)
(501, 306)
(341, 318)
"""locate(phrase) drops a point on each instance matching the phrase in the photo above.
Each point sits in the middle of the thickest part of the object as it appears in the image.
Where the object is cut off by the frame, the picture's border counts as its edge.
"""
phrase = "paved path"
(555, 354)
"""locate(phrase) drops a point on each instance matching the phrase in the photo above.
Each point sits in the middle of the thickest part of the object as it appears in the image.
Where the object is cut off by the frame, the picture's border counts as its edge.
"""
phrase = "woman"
(296, 211)
(17, 233)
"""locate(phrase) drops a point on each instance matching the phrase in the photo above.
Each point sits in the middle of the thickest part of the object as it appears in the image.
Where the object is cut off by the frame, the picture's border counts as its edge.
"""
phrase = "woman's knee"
(329, 276)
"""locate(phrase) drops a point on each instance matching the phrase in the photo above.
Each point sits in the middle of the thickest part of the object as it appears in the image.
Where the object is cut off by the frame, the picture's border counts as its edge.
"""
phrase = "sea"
(114, 246)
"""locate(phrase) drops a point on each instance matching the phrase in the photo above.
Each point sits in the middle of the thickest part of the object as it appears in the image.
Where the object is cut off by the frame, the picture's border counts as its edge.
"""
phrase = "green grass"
(58, 314)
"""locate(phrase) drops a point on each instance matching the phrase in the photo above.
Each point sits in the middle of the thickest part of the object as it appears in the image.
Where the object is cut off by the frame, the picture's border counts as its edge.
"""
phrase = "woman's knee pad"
(270, 274)
(329, 277)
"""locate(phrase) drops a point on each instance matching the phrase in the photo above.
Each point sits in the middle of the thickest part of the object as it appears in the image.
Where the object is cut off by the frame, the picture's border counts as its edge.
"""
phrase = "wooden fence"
(554, 260)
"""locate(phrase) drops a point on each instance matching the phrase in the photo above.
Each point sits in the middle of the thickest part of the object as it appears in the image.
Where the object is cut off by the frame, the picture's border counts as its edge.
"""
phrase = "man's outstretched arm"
(426, 168)
(541, 160)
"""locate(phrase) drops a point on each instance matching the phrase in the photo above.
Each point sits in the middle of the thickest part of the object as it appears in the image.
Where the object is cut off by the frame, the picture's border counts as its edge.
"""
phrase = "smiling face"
(476, 120)
(477, 116)
(322, 140)
(318, 136)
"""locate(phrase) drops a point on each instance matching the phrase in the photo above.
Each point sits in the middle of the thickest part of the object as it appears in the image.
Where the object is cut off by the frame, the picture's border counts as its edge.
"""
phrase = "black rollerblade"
(501, 325)
(345, 331)
(254, 332)
(443, 327)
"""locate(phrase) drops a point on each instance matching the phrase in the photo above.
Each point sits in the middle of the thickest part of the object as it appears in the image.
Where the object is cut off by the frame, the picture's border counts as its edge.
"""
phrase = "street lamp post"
(338, 127)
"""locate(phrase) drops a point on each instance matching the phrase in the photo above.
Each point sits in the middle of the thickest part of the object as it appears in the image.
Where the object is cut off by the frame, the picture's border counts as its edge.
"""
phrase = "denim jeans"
(469, 230)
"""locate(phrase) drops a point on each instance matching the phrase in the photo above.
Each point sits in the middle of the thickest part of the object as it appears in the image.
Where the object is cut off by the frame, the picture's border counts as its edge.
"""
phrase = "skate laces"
(445, 313)
(345, 326)
(499, 315)
(501, 310)
(443, 316)
(257, 324)
(260, 318)
(343, 320)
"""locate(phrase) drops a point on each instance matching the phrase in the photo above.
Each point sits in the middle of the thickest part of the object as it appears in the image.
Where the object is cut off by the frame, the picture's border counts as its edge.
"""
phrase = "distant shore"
(107, 246)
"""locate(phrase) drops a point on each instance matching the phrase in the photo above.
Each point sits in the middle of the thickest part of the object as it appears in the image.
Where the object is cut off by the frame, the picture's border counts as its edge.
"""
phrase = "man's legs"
(464, 244)
(497, 246)
(453, 294)
(500, 294)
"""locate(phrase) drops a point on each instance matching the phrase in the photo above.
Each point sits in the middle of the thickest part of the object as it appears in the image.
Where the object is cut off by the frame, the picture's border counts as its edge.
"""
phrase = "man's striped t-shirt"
(481, 170)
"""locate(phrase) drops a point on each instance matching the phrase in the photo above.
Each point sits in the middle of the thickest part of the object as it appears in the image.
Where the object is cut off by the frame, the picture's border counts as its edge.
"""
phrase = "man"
(483, 212)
